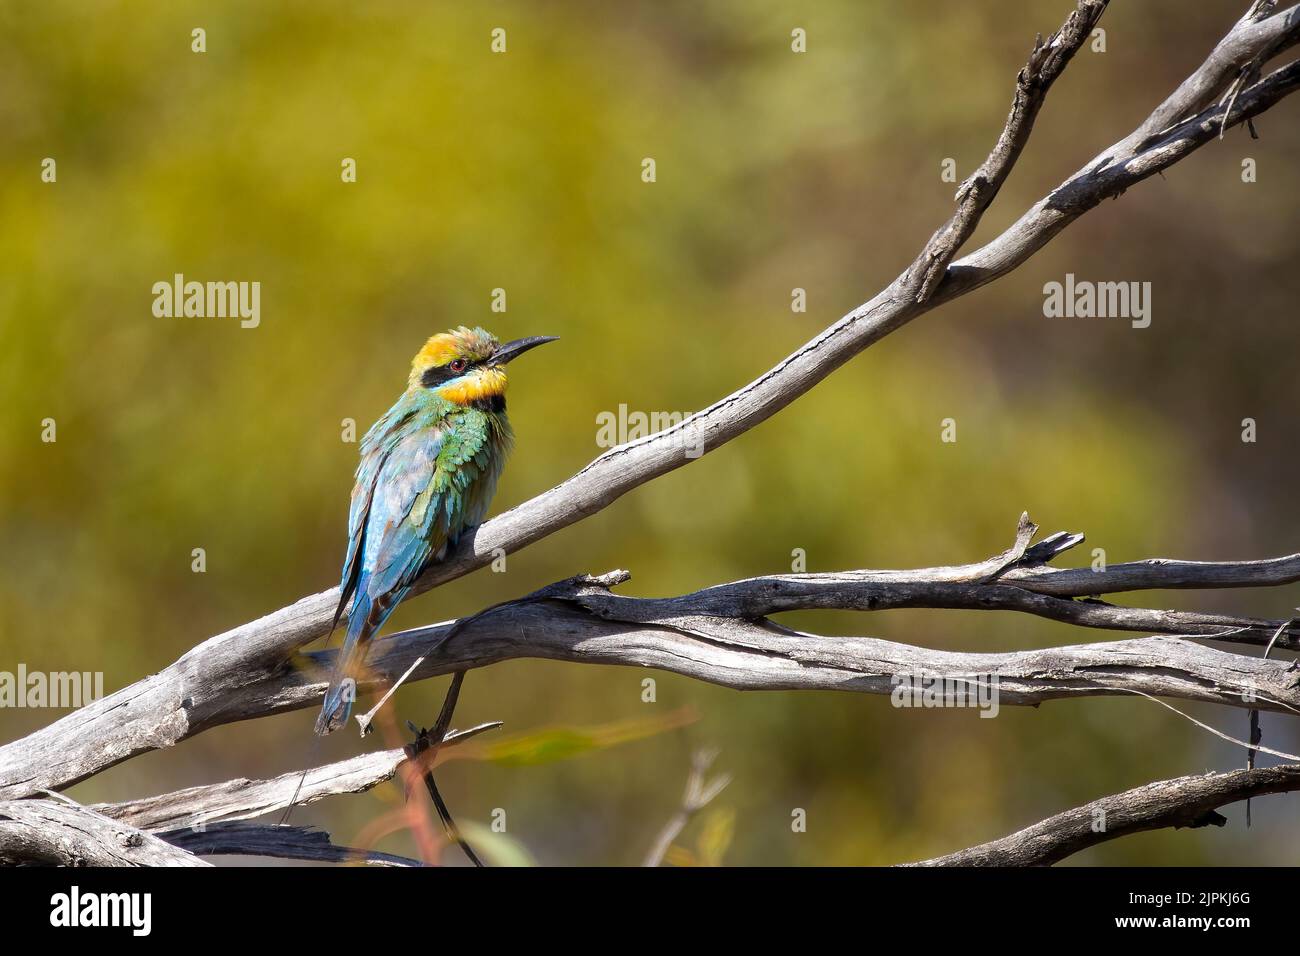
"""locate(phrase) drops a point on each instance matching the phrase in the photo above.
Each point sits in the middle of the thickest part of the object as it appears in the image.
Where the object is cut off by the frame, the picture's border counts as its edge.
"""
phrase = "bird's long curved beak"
(512, 350)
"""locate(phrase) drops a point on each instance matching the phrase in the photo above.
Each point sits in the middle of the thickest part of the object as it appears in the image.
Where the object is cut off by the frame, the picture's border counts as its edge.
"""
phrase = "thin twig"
(1256, 732)
(425, 747)
(698, 795)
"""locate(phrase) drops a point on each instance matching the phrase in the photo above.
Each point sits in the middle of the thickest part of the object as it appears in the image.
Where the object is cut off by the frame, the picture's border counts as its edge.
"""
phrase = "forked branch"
(723, 635)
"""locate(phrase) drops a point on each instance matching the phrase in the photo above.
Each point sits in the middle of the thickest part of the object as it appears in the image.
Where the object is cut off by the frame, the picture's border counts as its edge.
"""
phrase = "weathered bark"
(1184, 802)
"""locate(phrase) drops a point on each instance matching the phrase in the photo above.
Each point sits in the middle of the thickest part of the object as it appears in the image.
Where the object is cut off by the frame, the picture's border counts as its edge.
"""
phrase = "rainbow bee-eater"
(428, 470)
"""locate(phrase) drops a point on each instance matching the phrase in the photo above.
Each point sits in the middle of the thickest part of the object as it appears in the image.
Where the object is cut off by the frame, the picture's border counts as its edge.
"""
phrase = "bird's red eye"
(457, 365)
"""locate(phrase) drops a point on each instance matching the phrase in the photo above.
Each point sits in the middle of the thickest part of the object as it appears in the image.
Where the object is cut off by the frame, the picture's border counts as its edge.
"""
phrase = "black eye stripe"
(441, 374)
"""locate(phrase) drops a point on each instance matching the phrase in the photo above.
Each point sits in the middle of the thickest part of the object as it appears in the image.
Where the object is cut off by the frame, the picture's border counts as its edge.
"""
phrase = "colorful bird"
(428, 470)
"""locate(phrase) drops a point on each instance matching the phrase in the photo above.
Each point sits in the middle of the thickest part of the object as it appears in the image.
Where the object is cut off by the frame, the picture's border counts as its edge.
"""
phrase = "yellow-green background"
(522, 171)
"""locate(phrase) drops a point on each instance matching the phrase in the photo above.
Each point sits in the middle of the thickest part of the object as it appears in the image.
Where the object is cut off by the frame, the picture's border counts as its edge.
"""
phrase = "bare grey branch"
(1184, 802)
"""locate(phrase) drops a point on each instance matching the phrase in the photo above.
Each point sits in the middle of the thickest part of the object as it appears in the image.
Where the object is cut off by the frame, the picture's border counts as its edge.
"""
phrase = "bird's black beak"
(512, 350)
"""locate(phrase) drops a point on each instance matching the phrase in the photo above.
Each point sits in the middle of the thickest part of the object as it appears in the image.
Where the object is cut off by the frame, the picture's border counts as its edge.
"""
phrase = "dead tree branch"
(1184, 802)
(60, 833)
(722, 635)
(242, 799)
(282, 842)
(203, 821)
(1047, 61)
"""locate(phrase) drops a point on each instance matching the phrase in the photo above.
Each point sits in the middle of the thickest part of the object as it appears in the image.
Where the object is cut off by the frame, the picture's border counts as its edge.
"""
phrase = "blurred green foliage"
(522, 171)
(560, 743)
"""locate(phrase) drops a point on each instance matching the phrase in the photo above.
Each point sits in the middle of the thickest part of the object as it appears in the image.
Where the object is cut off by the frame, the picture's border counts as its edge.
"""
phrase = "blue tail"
(367, 617)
